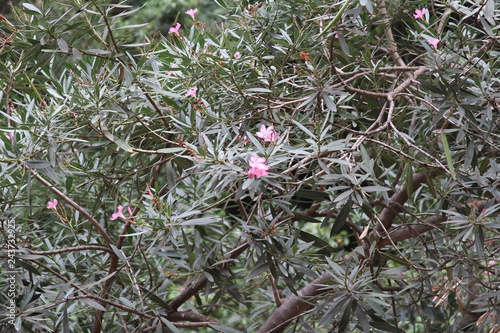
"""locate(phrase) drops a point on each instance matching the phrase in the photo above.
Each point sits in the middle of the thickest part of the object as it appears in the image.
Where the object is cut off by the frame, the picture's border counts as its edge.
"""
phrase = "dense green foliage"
(125, 162)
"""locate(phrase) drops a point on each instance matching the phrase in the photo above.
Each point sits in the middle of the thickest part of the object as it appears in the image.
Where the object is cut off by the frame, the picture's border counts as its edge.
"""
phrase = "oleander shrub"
(288, 166)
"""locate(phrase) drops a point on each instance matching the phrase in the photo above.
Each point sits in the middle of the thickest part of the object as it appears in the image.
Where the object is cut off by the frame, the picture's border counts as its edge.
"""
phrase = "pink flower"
(191, 12)
(10, 135)
(257, 167)
(175, 29)
(419, 14)
(192, 92)
(52, 204)
(237, 54)
(268, 134)
(294, 70)
(434, 42)
(118, 214)
(490, 263)
(172, 72)
(242, 139)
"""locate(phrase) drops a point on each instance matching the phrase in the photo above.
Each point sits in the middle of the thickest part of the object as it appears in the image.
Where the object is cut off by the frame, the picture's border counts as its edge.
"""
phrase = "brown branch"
(194, 288)
(276, 292)
(73, 204)
(190, 316)
(391, 43)
(72, 249)
(199, 319)
(396, 202)
(86, 294)
(97, 298)
(181, 325)
(392, 94)
(295, 305)
(406, 83)
(409, 231)
(113, 266)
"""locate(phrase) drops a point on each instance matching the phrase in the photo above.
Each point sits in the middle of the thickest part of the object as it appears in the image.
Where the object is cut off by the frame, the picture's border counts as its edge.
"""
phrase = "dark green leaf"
(341, 218)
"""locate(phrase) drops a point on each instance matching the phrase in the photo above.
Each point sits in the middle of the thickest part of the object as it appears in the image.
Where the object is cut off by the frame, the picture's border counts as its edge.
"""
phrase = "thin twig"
(73, 204)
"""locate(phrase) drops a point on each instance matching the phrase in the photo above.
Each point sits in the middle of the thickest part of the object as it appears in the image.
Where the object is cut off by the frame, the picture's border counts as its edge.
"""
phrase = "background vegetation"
(126, 155)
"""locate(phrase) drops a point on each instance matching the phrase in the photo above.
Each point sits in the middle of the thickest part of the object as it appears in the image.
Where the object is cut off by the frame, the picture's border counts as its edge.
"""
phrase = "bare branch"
(295, 305)
(393, 207)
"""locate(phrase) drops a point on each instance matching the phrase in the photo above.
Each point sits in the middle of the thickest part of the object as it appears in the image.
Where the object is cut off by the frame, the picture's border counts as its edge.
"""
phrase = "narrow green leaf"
(225, 329)
(93, 304)
(152, 296)
(258, 269)
(77, 53)
(317, 242)
(376, 188)
(335, 19)
(367, 208)
(119, 142)
(386, 327)
(306, 218)
(311, 194)
(329, 102)
(65, 320)
(199, 221)
(341, 218)
(398, 260)
(96, 51)
(479, 240)
(343, 195)
(119, 253)
(170, 325)
(62, 45)
(346, 316)
(258, 90)
(133, 26)
(32, 269)
(343, 45)
(362, 319)
(170, 150)
(31, 7)
(448, 155)
(408, 174)
(37, 164)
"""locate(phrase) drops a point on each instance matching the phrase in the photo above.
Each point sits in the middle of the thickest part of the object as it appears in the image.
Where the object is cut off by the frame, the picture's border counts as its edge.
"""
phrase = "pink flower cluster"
(267, 133)
(175, 29)
(490, 263)
(119, 213)
(192, 92)
(434, 42)
(52, 204)
(242, 139)
(420, 14)
(191, 12)
(258, 167)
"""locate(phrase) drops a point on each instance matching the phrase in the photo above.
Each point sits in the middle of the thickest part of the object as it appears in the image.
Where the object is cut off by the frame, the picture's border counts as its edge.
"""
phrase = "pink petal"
(192, 92)
(52, 204)
(118, 214)
(175, 29)
(191, 12)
